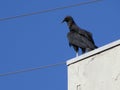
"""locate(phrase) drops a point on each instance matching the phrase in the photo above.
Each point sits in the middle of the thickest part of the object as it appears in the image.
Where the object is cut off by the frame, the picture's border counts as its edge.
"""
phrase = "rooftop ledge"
(94, 52)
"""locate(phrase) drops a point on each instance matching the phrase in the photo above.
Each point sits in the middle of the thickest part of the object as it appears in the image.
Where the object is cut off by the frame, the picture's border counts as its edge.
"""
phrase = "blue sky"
(40, 40)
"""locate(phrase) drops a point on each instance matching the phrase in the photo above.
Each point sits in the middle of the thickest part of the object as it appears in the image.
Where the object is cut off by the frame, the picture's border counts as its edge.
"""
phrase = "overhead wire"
(35, 13)
(31, 69)
(48, 10)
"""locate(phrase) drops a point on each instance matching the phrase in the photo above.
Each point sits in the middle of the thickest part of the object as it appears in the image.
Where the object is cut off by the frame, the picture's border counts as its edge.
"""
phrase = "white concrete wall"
(96, 70)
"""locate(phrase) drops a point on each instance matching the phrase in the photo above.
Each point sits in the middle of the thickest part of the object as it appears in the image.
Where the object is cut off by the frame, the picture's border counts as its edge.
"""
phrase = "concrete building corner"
(96, 70)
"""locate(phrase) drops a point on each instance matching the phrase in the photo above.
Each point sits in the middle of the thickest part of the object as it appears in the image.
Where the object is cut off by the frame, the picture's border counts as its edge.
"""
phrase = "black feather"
(79, 38)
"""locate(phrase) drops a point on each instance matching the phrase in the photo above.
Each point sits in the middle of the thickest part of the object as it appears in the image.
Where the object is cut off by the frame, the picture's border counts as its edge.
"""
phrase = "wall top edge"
(94, 52)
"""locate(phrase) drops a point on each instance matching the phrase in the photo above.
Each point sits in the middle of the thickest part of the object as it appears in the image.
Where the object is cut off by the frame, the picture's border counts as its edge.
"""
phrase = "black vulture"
(78, 37)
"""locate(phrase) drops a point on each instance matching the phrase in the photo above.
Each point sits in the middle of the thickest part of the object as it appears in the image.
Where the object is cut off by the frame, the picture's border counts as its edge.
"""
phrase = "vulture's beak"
(63, 21)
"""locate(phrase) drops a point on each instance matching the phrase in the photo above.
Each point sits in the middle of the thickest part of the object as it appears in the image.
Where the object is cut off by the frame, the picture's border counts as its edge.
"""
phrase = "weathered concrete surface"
(96, 70)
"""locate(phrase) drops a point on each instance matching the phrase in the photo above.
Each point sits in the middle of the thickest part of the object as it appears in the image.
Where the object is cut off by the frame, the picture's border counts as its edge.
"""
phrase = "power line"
(31, 69)
(48, 10)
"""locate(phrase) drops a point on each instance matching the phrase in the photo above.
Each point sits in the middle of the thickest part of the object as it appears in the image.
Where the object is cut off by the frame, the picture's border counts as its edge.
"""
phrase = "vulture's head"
(68, 19)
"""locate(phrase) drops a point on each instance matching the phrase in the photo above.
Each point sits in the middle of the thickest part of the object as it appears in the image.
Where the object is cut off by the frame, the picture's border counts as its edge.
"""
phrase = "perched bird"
(79, 38)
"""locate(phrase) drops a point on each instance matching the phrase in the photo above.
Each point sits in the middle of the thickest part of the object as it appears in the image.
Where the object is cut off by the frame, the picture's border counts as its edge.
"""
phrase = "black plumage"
(79, 38)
